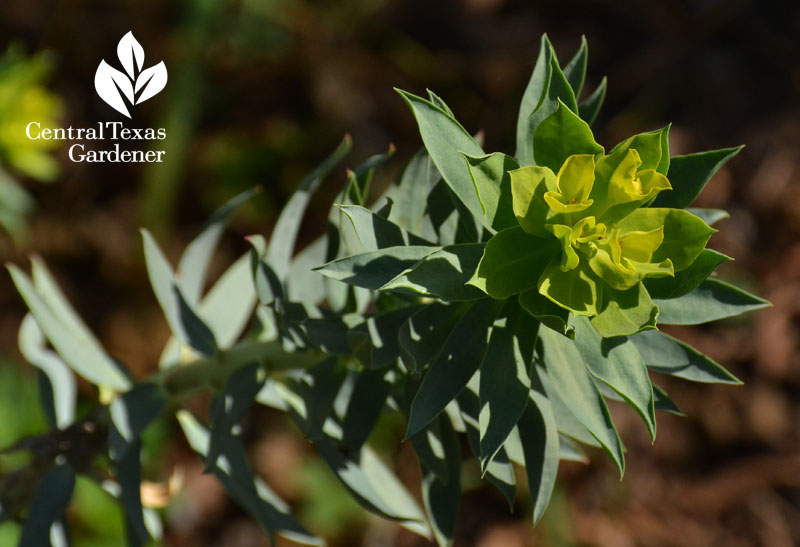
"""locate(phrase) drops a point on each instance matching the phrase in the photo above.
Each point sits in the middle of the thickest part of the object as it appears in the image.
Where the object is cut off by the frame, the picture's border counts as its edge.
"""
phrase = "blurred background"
(261, 90)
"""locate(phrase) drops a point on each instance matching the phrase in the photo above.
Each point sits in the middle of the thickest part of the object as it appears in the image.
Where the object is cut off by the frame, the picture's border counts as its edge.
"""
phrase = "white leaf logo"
(123, 89)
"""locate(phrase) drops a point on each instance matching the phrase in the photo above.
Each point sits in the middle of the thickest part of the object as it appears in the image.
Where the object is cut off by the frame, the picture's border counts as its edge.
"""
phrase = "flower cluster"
(589, 223)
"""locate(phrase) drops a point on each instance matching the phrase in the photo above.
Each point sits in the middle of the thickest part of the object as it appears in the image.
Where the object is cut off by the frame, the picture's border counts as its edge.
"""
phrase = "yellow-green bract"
(596, 207)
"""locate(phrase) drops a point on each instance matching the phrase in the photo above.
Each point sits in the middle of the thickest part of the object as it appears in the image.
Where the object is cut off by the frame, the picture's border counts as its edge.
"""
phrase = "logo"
(134, 86)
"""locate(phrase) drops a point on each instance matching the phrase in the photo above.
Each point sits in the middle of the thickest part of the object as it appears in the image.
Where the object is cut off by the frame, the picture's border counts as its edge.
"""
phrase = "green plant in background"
(504, 298)
(24, 98)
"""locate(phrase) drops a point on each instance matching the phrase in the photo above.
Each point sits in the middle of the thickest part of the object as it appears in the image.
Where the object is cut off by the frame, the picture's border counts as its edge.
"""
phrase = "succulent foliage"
(499, 298)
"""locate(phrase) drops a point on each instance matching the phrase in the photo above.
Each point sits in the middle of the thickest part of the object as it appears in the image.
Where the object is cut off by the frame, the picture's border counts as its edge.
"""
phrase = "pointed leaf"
(129, 476)
(689, 174)
(444, 139)
(492, 183)
(82, 356)
(374, 269)
(228, 306)
(442, 274)
(195, 260)
(710, 301)
(422, 337)
(499, 471)
(664, 403)
(418, 178)
(709, 216)
(182, 319)
(364, 231)
(374, 342)
(558, 92)
(249, 491)
(590, 108)
(229, 405)
(540, 445)
(451, 370)
(505, 384)
(442, 498)
(666, 355)
(617, 363)
(281, 243)
(535, 93)
(372, 484)
(575, 70)
(544, 310)
(688, 279)
(49, 502)
(572, 382)
(130, 414)
(568, 425)
(365, 406)
(33, 346)
(317, 389)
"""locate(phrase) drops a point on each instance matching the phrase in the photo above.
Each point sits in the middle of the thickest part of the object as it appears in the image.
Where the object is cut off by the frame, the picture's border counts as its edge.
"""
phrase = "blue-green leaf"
(617, 363)
(454, 366)
(572, 382)
(689, 175)
(492, 183)
(421, 337)
(374, 342)
(442, 274)
(663, 353)
(540, 445)
(531, 100)
(575, 70)
(664, 403)
(194, 263)
(442, 497)
(373, 485)
(78, 351)
(229, 405)
(709, 216)
(505, 384)
(281, 244)
(568, 425)
(374, 269)
(131, 413)
(228, 305)
(363, 231)
(249, 491)
(365, 406)
(445, 139)
(590, 108)
(182, 319)
(33, 346)
(48, 505)
(129, 477)
(417, 179)
(711, 300)
(499, 470)
(317, 389)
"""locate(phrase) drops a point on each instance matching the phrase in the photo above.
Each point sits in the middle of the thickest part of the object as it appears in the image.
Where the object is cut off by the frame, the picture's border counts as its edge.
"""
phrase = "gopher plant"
(499, 297)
